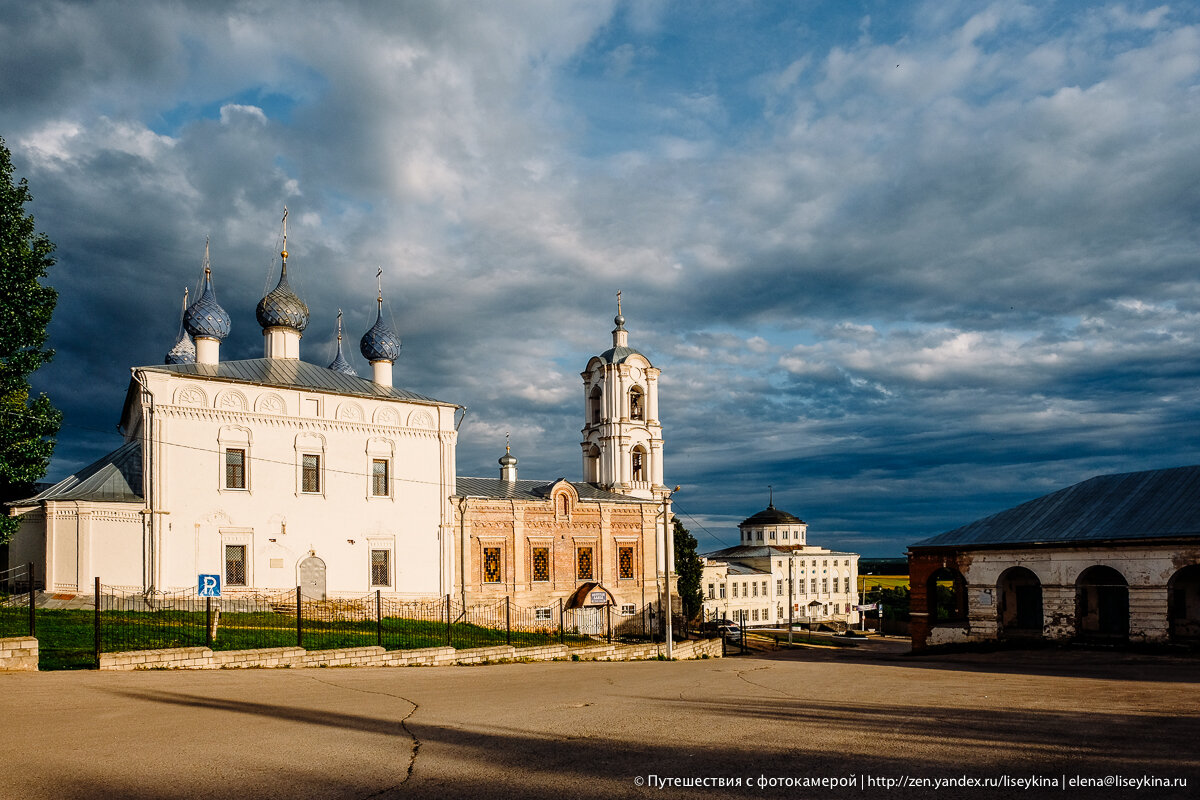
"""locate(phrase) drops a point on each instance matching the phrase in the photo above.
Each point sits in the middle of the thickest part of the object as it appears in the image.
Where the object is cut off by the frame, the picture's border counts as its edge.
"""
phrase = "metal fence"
(17, 602)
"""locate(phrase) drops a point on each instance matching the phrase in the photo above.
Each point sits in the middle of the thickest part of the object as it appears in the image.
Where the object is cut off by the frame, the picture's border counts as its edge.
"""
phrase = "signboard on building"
(598, 598)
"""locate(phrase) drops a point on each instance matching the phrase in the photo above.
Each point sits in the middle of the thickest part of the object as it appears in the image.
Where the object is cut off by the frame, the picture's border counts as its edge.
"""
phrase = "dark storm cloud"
(908, 273)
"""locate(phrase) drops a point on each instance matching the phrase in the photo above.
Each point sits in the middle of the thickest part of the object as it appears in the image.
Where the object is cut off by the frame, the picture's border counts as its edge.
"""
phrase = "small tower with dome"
(184, 351)
(340, 364)
(622, 437)
(380, 345)
(205, 321)
(282, 314)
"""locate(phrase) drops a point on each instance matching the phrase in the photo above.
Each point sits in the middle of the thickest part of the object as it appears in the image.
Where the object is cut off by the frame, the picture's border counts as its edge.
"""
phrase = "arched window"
(593, 411)
(638, 471)
(593, 464)
(637, 406)
(1101, 604)
(1019, 603)
(1183, 604)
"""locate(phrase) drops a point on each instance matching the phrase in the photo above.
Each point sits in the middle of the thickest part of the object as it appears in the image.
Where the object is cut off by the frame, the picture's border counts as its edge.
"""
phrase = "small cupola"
(184, 351)
(205, 321)
(619, 334)
(380, 345)
(340, 364)
(508, 463)
(282, 314)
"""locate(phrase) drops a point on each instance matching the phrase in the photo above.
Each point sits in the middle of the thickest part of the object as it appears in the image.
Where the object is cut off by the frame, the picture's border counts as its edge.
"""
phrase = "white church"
(275, 473)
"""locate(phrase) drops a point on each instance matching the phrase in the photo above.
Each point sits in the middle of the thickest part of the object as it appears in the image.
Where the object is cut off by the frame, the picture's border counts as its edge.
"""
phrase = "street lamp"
(666, 571)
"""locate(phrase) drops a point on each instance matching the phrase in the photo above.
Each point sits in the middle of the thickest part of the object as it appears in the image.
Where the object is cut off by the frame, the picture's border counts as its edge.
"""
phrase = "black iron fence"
(17, 596)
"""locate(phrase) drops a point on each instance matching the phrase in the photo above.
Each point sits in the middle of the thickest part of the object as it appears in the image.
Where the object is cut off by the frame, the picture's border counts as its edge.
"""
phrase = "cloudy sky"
(909, 263)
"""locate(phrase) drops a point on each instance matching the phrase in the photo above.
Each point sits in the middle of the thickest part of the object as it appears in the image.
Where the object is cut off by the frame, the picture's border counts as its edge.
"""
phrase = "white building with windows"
(270, 472)
(775, 576)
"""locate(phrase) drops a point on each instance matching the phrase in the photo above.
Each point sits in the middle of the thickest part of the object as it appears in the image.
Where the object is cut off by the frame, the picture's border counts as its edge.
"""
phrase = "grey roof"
(184, 351)
(772, 516)
(115, 478)
(534, 490)
(290, 373)
(340, 364)
(619, 355)
(1162, 503)
(747, 551)
(742, 569)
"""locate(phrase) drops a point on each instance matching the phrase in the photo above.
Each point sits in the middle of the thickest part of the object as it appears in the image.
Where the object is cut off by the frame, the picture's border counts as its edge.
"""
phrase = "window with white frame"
(381, 568)
(310, 473)
(835, 584)
(628, 609)
(712, 592)
(779, 586)
(380, 484)
(235, 565)
(235, 468)
(722, 591)
(764, 588)
(542, 614)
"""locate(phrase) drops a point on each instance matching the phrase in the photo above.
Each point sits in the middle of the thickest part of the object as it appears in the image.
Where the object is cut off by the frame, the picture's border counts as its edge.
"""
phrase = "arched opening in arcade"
(1101, 605)
(946, 595)
(1019, 604)
(1183, 604)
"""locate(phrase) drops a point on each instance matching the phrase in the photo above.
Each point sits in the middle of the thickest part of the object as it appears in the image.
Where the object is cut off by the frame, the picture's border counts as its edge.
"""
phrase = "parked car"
(731, 631)
(714, 625)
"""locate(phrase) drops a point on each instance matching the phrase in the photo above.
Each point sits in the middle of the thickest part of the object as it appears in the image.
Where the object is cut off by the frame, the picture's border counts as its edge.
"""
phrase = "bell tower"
(622, 437)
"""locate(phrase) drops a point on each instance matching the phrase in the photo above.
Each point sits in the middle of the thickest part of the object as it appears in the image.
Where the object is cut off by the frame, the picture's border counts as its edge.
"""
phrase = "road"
(576, 729)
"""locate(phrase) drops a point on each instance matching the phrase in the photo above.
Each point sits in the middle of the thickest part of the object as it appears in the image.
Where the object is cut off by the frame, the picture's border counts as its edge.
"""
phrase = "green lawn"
(66, 638)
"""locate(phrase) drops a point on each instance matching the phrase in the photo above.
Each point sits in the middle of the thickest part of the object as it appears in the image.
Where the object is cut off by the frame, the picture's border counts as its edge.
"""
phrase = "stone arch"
(637, 404)
(420, 419)
(191, 395)
(231, 400)
(639, 464)
(591, 464)
(946, 597)
(1101, 604)
(350, 411)
(1183, 604)
(1019, 604)
(387, 416)
(270, 403)
(595, 405)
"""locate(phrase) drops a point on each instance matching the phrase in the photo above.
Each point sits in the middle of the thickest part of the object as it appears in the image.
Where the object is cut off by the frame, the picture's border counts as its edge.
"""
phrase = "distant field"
(866, 582)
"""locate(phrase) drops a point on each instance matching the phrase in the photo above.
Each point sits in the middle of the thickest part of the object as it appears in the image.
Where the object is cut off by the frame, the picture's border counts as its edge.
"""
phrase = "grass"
(868, 582)
(66, 638)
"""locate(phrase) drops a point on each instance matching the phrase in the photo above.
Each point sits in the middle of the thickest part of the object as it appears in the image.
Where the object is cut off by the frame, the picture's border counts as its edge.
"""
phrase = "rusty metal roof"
(1157, 504)
(534, 490)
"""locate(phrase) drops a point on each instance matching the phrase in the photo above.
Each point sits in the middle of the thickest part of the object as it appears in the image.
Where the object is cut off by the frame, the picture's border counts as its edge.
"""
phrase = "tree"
(687, 567)
(27, 426)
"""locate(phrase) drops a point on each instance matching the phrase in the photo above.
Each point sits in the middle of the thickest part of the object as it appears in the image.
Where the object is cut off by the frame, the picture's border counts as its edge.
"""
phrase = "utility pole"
(791, 600)
(668, 552)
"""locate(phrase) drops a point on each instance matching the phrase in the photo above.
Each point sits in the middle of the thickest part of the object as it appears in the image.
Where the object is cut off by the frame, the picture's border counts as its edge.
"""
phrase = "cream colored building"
(270, 472)
(786, 578)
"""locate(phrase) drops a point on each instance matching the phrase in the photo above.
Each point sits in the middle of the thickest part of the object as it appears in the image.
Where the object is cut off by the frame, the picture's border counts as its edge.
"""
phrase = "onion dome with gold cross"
(205, 318)
(282, 308)
(381, 343)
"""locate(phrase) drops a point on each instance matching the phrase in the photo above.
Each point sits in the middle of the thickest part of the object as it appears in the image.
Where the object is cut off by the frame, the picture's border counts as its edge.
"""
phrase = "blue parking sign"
(210, 585)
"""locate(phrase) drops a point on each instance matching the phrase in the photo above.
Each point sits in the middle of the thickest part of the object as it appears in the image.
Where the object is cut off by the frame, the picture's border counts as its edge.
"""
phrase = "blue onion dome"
(205, 318)
(281, 308)
(340, 364)
(381, 342)
(184, 351)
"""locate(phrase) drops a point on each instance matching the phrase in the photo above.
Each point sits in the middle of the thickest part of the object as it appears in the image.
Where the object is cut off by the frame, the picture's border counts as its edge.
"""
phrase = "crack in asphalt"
(741, 673)
(416, 742)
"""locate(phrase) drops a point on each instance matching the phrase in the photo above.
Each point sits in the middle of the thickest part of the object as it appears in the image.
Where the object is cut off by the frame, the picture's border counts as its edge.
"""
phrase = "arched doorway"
(1019, 603)
(1102, 605)
(312, 578)
(946, 594)
(1183, 604)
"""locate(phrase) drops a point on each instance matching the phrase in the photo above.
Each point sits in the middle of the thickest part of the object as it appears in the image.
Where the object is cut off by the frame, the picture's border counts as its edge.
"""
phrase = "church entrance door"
(312, 578)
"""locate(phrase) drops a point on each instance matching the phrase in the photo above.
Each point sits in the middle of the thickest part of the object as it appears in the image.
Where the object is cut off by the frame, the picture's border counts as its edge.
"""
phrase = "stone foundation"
(19, 654)
(277, 657)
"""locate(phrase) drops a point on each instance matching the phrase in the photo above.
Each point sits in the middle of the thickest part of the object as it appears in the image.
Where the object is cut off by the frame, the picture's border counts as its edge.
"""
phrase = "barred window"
(541, 563)
(491, 565)
(625, 562)
(379, 477)
(583, 564)
(542, 614)
(381, 572)
(310, 473)
(235, 468)
(235, 565)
